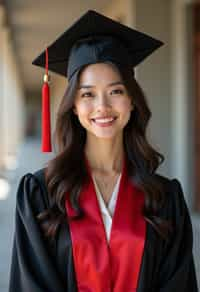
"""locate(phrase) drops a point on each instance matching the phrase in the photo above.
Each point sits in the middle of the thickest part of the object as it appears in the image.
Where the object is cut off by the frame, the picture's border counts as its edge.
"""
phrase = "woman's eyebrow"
(110, 84)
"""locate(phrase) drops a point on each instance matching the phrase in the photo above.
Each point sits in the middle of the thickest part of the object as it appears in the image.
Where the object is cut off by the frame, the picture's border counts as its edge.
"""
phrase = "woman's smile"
(104, 122)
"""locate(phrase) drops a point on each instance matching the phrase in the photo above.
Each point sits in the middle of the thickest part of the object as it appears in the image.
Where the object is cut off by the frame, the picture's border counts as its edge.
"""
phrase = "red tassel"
(46, 119)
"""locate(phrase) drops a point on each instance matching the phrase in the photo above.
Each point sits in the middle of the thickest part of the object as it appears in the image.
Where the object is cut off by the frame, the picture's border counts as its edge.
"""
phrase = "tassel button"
(46, 78)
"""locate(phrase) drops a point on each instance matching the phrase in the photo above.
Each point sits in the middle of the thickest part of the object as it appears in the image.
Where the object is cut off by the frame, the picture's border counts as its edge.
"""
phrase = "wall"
(154, 75)
(11, 98)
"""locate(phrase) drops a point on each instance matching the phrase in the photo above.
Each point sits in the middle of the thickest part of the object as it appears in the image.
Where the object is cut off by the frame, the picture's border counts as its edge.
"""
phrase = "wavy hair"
(67, 172)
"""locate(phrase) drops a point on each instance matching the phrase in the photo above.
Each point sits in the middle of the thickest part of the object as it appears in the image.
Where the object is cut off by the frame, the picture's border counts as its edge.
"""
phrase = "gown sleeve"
(177, 269)
(32, 269)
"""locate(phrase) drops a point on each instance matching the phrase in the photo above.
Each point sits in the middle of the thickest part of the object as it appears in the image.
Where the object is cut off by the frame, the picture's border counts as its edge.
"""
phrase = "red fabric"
(103, 266)
(46, 121)
(46, 61)
(46, 117)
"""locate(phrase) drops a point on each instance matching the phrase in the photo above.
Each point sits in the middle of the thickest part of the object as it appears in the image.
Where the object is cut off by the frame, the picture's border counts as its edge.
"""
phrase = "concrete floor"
(30, 159)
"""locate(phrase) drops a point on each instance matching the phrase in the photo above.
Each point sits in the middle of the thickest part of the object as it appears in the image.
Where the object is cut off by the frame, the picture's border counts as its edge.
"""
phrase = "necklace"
(106, 184)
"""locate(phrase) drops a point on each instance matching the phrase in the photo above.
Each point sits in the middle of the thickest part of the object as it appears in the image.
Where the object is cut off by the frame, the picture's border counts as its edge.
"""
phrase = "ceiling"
(35, 24)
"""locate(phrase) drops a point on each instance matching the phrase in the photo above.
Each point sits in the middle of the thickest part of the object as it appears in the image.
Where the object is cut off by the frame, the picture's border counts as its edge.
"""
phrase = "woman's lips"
(104, 122)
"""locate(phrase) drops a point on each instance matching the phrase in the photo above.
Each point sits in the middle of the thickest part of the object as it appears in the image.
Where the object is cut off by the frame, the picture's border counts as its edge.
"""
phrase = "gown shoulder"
(32, 192)
(177, 268)
(32, 268)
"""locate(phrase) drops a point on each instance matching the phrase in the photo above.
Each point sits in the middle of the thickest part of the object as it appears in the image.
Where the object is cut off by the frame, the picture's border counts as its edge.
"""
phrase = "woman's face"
(102, 103)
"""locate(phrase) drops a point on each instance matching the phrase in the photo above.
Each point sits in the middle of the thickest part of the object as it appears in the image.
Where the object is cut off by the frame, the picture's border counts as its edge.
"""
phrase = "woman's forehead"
(99, 72)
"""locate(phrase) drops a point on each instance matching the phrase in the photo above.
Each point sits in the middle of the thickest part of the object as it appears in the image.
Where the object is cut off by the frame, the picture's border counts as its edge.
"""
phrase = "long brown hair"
(66, 172)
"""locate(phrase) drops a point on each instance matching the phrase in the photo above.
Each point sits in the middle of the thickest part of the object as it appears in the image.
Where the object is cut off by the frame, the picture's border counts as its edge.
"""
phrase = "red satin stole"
(102, 266)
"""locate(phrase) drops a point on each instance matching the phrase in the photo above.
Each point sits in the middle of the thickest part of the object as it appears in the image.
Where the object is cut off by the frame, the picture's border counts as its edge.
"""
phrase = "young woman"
(98, 218)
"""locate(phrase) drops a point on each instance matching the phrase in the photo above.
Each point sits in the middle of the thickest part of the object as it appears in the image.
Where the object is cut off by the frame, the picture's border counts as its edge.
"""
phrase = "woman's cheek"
(85, 108)
(88, 107)
(124, 105)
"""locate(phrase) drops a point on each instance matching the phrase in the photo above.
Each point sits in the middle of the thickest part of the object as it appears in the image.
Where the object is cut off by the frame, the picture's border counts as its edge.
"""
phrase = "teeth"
(106, 120)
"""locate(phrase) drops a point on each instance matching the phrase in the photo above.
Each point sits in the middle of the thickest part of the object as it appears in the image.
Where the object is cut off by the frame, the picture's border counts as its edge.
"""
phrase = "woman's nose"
(103, 101)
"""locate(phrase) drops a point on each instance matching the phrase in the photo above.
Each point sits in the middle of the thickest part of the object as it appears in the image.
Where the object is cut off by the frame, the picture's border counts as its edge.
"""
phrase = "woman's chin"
(104, 134)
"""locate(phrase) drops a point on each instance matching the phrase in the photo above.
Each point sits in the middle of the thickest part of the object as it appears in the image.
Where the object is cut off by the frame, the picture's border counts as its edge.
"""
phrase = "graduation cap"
(91, 39)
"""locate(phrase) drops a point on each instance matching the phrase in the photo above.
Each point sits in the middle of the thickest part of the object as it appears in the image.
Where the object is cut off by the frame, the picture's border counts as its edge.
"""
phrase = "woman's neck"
(105, 156)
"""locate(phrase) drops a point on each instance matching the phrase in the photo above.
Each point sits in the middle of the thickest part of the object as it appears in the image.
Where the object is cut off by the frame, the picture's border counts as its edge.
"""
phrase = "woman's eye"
(86, 94)
(117, 91)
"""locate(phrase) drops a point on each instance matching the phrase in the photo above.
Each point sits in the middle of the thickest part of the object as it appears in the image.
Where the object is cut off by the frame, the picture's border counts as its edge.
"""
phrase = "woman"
(98, 217)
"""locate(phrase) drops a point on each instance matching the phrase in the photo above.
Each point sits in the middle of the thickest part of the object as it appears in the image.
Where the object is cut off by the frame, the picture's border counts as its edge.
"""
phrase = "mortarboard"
(107, 40)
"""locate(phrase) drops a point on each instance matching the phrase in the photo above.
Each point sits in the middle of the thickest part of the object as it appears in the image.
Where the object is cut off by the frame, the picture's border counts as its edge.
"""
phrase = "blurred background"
(170, 79)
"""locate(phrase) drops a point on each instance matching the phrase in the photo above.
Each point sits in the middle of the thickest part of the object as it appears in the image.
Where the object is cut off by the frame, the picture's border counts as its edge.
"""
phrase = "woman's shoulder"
(175, 204)
(32, 192)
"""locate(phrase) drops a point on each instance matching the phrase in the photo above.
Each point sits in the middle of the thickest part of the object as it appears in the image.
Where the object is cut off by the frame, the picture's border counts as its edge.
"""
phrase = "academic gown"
(40, 266)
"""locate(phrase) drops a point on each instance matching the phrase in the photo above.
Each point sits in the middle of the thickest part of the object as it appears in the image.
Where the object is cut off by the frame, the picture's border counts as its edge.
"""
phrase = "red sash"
(112, 266)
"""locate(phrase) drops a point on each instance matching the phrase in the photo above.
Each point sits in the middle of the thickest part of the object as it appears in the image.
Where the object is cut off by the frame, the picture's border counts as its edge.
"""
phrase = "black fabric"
(126, 45)
(38, 266)
(95, 50)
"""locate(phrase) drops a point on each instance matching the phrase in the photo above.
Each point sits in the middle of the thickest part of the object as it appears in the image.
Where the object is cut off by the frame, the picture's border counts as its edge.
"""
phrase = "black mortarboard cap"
(91, 39)
(126, 45)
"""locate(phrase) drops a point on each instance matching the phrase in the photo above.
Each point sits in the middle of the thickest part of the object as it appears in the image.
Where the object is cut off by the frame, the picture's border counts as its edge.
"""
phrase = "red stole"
(112, 266)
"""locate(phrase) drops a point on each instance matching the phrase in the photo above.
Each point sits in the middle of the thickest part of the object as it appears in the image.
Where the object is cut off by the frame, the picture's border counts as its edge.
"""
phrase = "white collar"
(108, 211)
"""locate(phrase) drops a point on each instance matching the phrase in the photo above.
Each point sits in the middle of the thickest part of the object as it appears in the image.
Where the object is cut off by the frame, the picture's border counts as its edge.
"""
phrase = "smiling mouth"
(104, 121)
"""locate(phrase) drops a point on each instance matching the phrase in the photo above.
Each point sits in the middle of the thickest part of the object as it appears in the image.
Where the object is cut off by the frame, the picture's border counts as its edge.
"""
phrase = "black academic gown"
(38, 266)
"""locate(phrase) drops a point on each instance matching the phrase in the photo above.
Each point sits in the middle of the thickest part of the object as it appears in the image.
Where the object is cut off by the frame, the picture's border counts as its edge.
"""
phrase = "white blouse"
(107, 212)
